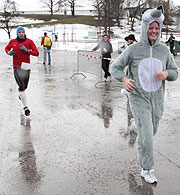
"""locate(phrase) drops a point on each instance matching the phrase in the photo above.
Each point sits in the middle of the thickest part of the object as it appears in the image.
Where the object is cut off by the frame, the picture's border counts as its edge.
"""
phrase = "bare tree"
(71, 3)
(117, 10)
(102, 7)
(108, 10)
(98, 5)
(135, 10)
(177, 10)
(53, 5)
(8, 17)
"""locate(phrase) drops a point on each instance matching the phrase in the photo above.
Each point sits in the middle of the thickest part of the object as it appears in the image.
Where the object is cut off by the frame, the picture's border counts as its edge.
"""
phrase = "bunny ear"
(154, 15)
(161, 8)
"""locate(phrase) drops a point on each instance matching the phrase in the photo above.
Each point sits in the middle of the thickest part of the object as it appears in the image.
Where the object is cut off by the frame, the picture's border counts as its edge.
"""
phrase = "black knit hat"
(130, 37)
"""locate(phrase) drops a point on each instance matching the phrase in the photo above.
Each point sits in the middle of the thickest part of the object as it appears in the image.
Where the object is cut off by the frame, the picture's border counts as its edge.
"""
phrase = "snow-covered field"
(74, 36)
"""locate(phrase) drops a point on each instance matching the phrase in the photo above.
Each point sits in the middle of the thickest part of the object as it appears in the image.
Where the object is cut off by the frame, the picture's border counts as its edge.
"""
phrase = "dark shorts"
(22, 78)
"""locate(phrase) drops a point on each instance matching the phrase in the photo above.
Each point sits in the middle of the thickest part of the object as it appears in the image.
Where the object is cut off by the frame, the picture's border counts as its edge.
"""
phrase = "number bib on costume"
(146, 73)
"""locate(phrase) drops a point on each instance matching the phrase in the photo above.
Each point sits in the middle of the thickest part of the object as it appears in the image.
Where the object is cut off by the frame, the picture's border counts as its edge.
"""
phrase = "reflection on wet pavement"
(136, 188)
(48, 69)
(132, 138)
(27, 156)
(106, 107)
(74, 142)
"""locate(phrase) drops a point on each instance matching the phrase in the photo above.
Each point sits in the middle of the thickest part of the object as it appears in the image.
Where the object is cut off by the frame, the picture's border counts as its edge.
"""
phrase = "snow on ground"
(74, 37)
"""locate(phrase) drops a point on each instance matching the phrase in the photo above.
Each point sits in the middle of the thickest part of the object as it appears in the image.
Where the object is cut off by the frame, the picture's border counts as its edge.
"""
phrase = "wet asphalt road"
(75, 142)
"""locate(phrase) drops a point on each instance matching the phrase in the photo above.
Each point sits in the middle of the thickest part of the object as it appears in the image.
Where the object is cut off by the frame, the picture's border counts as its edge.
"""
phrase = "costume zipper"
(150, 68)
(151, 52)
(151, 95)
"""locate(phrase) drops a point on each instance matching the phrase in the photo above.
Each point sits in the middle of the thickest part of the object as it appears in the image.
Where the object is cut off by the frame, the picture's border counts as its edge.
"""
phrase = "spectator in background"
(56, 37)
(171, 41)
(106, 50)
(21, 48)
(47, 44)
(130, 40)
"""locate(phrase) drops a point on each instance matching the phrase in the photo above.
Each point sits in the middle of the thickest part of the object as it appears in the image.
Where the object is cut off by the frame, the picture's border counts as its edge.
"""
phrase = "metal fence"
(59, 60)
(89, 62)
(40, 58)
(120, 46)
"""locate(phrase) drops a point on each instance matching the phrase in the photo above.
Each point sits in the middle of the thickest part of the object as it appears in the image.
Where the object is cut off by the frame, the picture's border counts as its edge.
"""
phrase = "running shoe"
(149, 176)
(26, 111)
(105, 79)
(109, 78)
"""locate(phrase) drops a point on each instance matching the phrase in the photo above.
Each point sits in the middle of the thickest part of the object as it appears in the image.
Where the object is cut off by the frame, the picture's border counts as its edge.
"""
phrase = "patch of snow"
(74, 37)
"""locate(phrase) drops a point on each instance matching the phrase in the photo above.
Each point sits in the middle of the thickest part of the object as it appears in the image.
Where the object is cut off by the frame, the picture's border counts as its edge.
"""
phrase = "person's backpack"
(47, 41)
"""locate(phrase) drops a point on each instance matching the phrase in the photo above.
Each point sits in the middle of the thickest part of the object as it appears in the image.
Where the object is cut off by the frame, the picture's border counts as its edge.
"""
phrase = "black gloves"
(11, 52)
(23, 48)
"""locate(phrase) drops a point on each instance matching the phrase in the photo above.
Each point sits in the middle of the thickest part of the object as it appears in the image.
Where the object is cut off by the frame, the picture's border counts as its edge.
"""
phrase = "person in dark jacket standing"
(171, 43)
(21, 48)
(47, 44)
(106, 50)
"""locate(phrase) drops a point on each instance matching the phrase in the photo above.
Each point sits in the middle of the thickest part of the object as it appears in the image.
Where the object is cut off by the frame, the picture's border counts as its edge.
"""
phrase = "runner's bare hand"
(161, 75)
(128, 84)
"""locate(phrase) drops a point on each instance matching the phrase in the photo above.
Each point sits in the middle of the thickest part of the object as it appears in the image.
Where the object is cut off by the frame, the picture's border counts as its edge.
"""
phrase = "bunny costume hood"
(146, 101)
(147, 18)
(144, 60)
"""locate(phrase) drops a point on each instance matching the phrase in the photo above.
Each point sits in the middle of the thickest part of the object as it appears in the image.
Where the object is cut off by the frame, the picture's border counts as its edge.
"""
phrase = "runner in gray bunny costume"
(150, 64)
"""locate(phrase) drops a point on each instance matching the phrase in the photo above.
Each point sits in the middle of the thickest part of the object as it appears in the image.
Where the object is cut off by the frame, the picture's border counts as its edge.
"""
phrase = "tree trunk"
(9, 35)
(51, 12)
(132, 25)
(51, 7)
(118, 21)
(72, 10)
(8, 31)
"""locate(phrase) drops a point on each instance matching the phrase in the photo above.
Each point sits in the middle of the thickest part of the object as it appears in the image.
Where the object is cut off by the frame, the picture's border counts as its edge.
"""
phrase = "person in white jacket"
(150, 63)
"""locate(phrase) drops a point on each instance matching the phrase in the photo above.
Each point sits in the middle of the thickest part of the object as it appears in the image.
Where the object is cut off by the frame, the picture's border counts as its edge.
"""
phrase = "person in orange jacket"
(47, 44)
(21, 48)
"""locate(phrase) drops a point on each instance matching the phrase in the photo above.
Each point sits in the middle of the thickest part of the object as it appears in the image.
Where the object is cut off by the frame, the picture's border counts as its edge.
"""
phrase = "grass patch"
(60, 19)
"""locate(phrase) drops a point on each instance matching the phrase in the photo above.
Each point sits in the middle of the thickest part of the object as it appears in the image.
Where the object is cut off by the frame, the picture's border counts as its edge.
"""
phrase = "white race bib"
(26, 66)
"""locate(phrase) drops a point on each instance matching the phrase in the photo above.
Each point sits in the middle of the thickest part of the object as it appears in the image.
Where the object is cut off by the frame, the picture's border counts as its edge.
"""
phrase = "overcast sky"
(35, 4)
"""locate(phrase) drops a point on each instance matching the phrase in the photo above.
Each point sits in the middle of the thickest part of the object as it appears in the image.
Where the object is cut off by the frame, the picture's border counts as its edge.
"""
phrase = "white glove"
(105, 50)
